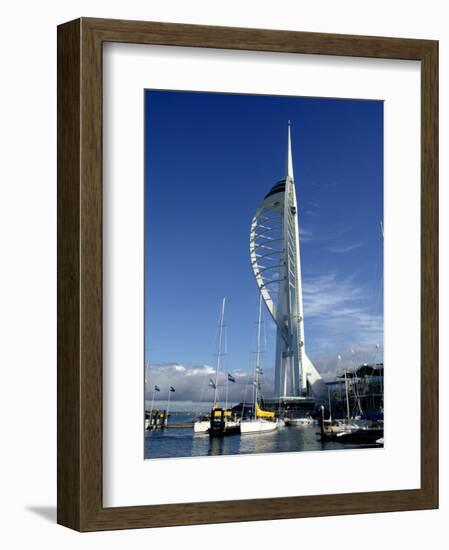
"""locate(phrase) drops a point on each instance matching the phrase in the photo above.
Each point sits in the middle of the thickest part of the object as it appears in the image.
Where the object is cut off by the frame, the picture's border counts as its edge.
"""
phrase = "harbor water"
(182, 442)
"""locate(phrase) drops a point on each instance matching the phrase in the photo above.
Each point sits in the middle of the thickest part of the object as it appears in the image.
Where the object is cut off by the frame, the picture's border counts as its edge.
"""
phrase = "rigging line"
(356, 394)
(351, 369)
(245, 389)
(265, 336)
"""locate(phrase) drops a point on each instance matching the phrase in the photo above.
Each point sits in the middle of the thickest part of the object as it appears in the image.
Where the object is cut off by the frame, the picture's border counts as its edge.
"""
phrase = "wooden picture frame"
(80, 351)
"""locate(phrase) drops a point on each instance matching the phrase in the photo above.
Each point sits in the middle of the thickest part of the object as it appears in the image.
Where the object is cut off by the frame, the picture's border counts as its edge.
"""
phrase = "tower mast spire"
(289, 154)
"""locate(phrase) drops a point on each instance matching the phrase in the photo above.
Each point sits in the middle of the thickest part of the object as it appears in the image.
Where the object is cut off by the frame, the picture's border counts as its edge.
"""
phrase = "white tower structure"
(275, 259)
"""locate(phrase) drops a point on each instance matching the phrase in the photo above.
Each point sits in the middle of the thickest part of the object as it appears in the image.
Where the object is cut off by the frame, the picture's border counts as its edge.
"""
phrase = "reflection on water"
(182, 442)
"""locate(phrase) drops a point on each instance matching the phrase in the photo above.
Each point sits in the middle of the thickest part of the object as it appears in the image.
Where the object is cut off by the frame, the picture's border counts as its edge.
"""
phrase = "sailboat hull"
(257, 426)
(201, 426)
(228, 428)
(300, 421)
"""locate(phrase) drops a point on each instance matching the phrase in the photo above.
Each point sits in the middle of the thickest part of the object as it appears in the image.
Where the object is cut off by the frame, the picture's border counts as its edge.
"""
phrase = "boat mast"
(348, 414)
(257, 369)
(355, 385)
(220, 337)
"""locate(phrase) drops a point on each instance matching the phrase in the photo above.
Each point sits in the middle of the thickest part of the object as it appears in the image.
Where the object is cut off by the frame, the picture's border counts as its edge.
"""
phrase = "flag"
(231, 378)
(157, 388)
(172, 388)
(212, 384)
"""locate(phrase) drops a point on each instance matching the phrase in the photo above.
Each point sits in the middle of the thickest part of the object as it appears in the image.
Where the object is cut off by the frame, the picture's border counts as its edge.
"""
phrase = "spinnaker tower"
(276, 262)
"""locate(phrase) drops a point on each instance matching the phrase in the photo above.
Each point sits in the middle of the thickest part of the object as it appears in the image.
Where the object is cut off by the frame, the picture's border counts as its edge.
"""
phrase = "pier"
(158, 420)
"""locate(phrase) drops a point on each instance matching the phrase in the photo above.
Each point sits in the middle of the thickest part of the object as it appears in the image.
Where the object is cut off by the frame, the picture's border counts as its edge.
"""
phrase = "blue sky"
(210, 158)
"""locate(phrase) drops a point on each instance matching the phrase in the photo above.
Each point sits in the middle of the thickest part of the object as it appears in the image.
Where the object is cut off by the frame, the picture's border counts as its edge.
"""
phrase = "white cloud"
(203, 370)
(325, 294)
(179, 368)
(341, 249)
(191, 382)
(341, 311)
(305, 235)
(316, 233)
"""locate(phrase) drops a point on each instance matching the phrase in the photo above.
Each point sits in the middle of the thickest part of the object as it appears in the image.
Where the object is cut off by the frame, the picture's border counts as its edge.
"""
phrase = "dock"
(159, 420)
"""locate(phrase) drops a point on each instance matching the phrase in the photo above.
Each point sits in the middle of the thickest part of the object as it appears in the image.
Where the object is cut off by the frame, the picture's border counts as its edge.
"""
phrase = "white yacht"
(201, 425)
(261, 421)
(220, 421)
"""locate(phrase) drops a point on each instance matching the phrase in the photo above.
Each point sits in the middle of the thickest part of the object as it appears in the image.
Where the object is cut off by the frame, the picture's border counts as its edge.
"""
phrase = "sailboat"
(261, 421)
(221, 421)
(203, 424)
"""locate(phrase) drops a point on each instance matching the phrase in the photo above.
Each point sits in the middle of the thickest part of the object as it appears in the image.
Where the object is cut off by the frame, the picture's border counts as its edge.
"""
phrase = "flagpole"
(145, 390)
(219, 350)
(168, 406)
(257, 369)
(227, 381)
(152, 404)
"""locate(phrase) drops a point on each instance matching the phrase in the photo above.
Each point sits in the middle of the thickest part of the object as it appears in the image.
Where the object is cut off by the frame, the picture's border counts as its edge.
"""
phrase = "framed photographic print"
(247, 274)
